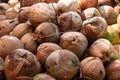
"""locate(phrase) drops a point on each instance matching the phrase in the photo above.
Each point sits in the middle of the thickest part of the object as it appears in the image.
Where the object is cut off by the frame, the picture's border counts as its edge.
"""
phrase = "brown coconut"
(47, 32)
(106, 2)
(41, 12)
(75, 42)
(69, 21)
(43, 76)
(21, 63)
(11, 13)
(92, 68)
(94, 28)
(6, 26)
(89, 13)
(62, 64)
(3, 8)
(113, 70)
(1, 68)
(8, 44)
(21, 29)
(109, 14)
(102, 48)
(45, 49)
(84, 4)
(29, 42)
(2, 17)
(23, 14)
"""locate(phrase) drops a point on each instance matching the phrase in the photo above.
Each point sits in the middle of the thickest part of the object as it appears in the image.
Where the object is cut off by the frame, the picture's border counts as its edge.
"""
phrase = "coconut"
(21, 63)
(69, 21)
(113, 34)
(94, 28)
(113, 70)
(3, 8)
(109, 14)
(23, 14)
(62, 64)
(2, 17)
(29, 42)
(13, 2)
(8, 44)
(106, 2)
(41, 12)
(102, 48)
(89, 13)
(66, 5)
(43, 76)
(92, 69)
(11, 13)
(1, 68)
(74, 41)
(6, 26)
(21, 29)
(84, 4)
(45, 49)
(47, 32)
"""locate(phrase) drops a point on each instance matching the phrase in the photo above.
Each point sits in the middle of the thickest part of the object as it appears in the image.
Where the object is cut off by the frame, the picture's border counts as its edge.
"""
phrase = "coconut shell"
(21, 63)
(3, 8)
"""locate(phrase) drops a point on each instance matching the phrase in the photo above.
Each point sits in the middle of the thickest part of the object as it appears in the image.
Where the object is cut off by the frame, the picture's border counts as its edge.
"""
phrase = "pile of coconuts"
(59, 40)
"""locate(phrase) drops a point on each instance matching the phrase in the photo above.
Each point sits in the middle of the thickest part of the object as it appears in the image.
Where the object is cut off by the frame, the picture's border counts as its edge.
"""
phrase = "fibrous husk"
(43, 76)
(103, 49)
(29, 42)
(117, 8)
(69, 21)
(92, 68)
(66, 5)
(45, 49)
(8, 44)
(3, 8)
(6, 26)
(21, 63)
(47, 32)
(11, 13)
(41, 12)
(62, 64)
(21, 29)
(1, 68)
(75, 42)
(94, 28)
